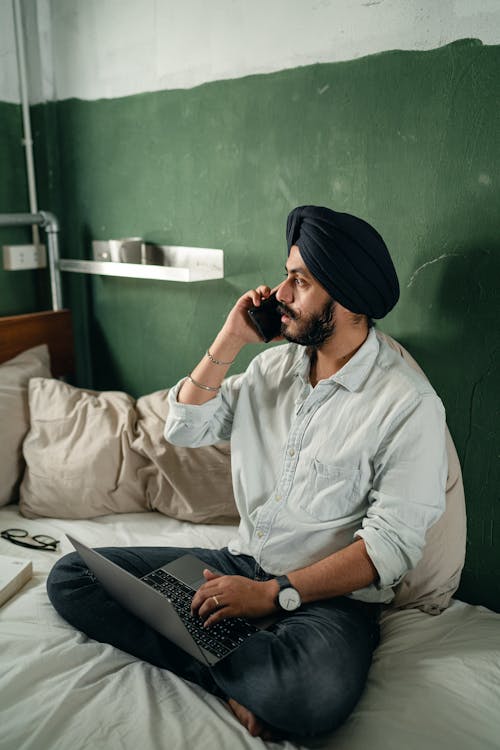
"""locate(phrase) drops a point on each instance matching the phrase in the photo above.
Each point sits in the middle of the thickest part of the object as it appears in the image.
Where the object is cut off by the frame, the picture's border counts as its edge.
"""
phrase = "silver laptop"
(162, 599)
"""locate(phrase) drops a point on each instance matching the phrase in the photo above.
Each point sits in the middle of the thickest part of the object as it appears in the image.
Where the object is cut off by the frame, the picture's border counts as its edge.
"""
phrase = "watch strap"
(283, 583)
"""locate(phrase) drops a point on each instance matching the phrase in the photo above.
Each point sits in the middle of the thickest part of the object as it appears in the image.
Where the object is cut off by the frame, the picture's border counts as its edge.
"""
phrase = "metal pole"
(49, 222)
(51, 227)
(28, 139)
(19, 220)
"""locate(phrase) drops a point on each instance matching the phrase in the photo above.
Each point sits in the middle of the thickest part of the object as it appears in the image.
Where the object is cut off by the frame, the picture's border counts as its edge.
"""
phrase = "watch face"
(289, 599)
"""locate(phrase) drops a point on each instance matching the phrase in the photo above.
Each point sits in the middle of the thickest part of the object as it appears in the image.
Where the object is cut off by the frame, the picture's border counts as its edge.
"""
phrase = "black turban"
(347, 256)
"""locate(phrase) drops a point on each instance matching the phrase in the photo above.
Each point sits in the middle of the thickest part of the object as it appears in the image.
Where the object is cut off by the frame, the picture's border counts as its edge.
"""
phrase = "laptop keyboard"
(222, 637)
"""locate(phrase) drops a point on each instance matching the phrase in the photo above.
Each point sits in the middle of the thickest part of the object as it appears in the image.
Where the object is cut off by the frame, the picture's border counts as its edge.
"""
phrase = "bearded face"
(311, 329)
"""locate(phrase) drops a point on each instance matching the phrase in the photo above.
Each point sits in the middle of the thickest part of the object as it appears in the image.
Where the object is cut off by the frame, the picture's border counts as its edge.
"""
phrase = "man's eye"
(297, 280)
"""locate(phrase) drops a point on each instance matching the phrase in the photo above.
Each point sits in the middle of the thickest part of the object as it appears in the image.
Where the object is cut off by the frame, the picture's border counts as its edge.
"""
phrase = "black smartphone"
(266, 318)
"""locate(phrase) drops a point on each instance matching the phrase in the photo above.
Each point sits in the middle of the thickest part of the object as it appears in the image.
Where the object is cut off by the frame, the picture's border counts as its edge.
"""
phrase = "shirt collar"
(353, 374)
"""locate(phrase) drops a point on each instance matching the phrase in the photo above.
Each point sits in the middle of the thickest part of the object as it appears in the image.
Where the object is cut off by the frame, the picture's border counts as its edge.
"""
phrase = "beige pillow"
(79, 463)
(434, 580)
(191, 484)
(14, 414)
(90, 454)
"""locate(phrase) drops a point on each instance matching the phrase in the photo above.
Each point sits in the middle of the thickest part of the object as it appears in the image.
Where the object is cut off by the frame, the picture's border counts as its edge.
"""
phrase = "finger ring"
(216, 601)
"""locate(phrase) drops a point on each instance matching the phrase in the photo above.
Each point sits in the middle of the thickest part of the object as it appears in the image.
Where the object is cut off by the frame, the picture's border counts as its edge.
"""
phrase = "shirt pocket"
(332, 494)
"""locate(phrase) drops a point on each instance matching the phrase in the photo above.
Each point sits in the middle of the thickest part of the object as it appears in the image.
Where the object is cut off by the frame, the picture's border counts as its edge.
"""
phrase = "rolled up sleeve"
(192, 426)
(408, 491)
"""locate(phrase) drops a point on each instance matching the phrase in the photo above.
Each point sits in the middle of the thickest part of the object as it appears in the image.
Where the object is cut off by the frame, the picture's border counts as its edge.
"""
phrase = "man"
(339, 468)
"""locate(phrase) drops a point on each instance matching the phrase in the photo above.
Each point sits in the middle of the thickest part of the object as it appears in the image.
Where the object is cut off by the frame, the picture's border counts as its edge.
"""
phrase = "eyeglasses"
(23, 539)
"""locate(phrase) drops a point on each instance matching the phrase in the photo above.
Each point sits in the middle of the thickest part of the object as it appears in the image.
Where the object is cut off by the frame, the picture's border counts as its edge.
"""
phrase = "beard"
(312, 330)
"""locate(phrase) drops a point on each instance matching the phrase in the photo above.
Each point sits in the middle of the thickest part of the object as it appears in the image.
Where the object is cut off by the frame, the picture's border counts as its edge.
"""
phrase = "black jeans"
(303, 676)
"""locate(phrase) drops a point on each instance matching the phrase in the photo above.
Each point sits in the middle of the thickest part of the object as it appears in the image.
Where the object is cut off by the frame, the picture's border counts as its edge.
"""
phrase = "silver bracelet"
(200, 385)
(217, 361)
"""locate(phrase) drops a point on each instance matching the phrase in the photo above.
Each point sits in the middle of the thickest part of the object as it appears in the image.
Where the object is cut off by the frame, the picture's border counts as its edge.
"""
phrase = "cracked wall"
(407, 140)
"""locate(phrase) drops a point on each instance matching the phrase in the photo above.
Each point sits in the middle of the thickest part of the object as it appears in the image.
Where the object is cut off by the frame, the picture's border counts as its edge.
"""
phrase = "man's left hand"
(233, 596)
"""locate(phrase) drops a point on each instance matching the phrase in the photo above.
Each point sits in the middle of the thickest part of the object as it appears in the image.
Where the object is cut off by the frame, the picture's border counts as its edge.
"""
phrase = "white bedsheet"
(434, 682)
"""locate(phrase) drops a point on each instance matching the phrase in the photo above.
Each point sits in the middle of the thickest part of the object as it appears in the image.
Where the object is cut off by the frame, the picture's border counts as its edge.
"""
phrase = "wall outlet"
(24, 257)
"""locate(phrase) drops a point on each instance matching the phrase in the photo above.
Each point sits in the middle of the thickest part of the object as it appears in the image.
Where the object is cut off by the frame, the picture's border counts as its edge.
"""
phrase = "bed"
(434, 680)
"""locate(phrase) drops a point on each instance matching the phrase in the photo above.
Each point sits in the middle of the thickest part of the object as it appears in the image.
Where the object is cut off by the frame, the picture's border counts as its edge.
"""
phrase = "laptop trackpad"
(189, 570)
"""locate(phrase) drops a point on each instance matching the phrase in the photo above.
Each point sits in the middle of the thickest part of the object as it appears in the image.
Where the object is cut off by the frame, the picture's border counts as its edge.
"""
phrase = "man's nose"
(284, 292)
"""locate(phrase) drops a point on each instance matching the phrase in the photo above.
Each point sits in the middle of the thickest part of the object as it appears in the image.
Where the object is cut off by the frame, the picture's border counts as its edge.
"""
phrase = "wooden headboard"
(21, 332)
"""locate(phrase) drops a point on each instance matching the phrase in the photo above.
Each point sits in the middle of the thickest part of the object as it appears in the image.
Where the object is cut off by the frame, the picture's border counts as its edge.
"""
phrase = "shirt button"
(260, 534)
(277, 498)
(291, 452)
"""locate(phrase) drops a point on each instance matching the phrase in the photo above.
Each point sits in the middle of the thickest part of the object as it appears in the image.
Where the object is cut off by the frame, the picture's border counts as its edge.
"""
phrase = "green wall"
(407, 140)
(20, 291)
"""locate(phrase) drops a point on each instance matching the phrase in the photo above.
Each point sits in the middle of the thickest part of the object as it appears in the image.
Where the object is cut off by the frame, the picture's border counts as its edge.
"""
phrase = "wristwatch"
(288, 598)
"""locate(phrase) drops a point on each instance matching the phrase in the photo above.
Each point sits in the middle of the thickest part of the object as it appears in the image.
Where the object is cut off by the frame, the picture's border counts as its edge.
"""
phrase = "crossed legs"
(302, 677)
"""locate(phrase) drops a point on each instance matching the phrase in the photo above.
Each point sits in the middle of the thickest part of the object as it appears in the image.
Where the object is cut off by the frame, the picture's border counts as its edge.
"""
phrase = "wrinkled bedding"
(434, 680)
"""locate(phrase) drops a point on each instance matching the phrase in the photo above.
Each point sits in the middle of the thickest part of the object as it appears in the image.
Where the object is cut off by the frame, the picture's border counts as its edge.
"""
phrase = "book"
(14, 573)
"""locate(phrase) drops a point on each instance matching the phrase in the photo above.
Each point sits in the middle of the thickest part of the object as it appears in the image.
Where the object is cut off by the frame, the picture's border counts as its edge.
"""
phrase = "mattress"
(433, 680)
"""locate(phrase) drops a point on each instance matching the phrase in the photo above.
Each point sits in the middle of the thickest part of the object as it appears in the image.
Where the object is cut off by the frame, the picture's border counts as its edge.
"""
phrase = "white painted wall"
(110, 48)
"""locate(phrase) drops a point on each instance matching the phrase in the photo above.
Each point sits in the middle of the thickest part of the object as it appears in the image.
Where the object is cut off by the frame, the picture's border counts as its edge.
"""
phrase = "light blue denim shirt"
(360, 455)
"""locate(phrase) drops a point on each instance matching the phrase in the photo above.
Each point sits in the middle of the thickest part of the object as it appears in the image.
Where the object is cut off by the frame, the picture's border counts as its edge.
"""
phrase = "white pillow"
(14, 414)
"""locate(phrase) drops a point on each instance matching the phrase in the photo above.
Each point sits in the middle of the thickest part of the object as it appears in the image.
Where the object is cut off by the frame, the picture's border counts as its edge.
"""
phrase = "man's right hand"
(205, 380)
(238, 325)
